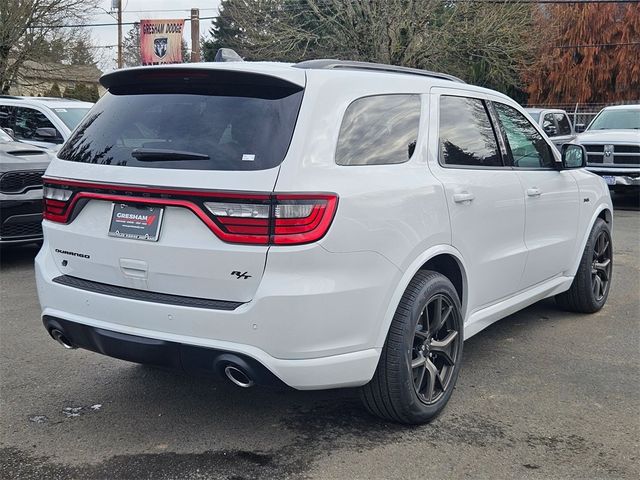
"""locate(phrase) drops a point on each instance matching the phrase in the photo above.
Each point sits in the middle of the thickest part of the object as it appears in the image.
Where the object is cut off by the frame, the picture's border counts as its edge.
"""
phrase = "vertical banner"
(161, 41)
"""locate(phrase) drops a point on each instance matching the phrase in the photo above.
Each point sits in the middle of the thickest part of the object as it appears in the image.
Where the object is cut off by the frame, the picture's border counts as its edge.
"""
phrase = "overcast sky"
(136, 10)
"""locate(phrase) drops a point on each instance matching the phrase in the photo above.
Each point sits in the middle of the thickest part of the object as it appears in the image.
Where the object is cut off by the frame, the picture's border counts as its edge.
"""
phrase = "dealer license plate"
(138, 222)
(609, 179)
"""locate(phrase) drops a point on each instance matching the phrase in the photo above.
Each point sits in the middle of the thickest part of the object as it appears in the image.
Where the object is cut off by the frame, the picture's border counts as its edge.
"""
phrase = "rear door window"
(220, 127)
(379, 130)
(466, 135)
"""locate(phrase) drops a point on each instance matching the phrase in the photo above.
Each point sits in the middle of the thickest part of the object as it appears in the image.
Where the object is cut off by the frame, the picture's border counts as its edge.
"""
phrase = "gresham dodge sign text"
(161, 41)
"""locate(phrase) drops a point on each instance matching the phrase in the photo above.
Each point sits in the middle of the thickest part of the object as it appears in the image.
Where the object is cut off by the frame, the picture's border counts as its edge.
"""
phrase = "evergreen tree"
(131, 47)
(54, 91)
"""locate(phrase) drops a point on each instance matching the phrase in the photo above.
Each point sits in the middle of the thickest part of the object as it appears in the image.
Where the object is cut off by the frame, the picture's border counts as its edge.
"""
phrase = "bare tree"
(27, 26)
(487, 44)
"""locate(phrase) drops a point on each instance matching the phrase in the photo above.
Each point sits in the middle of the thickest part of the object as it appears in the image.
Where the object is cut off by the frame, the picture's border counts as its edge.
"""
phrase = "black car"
(21, 169)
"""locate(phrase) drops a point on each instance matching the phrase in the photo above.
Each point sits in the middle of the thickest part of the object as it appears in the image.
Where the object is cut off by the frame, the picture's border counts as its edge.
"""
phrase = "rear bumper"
(178, 356)
(310, 329)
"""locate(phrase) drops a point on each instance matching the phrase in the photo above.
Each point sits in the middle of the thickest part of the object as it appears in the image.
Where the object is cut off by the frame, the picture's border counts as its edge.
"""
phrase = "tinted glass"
(70, 116)
(28, 120)
(614, 119)
(466, 134)
(528, 148)
(549, 125)
(564, 127)
(379, 130)
(6, 116)
(235, 132)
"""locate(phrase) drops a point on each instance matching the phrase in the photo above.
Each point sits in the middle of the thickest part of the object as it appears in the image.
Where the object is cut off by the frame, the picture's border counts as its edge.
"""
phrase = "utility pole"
(195, 35)
(119, 6)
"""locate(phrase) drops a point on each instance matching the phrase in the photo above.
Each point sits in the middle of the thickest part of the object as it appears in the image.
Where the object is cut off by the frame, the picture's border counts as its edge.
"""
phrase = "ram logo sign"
(161, 41)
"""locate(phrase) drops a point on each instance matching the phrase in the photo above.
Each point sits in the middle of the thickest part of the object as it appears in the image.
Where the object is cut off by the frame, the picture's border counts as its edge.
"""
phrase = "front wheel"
(421, 357)
(590, 288)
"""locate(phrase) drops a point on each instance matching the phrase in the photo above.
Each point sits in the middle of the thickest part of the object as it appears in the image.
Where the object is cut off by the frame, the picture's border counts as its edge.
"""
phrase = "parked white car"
(42, 121)
(612, 140)
(324, 224)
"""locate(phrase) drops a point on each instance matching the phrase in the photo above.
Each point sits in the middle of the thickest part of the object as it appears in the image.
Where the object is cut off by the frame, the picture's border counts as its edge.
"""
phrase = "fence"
(582, 113)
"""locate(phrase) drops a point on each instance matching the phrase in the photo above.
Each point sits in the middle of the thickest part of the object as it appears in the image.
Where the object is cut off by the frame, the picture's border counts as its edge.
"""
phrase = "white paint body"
(317, 315)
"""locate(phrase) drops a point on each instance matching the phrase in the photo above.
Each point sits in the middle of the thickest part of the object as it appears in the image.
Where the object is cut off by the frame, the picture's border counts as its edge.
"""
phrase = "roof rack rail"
(330, 64)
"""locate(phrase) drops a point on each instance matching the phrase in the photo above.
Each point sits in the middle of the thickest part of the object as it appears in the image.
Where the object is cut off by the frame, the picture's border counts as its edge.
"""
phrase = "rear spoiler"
(174, 79)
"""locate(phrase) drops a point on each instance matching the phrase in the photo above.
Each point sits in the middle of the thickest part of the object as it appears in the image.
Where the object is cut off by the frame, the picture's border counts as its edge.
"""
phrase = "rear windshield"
(228, 129)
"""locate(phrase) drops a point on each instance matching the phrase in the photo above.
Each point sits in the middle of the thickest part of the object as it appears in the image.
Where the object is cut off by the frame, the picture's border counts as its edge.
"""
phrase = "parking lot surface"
(542, 394)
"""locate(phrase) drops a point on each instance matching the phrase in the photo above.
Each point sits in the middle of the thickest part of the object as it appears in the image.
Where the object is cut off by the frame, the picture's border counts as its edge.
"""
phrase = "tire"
(590, 288)
(397, 392)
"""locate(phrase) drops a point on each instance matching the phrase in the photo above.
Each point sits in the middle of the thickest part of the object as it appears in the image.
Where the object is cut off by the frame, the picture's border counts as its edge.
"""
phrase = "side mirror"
(550, 130)
(46, 133)
(573, 156)
(579, 127)
(10, 132)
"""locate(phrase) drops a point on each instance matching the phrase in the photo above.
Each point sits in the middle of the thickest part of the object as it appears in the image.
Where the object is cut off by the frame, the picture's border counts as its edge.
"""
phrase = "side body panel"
(488, 230)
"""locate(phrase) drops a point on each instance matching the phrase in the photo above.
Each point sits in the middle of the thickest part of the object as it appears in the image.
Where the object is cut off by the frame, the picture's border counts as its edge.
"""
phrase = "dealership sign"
(161, 41)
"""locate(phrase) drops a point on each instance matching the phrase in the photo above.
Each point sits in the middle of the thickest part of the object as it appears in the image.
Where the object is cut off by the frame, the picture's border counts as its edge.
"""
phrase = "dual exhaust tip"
(59, 337)
(237, 374)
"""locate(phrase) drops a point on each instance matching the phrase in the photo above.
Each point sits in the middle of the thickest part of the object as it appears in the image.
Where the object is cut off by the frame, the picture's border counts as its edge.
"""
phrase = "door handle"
(464, 197)
(534, 192)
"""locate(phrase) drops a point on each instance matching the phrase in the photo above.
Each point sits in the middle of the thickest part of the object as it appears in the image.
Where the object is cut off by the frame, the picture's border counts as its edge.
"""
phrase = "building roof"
(60, 72)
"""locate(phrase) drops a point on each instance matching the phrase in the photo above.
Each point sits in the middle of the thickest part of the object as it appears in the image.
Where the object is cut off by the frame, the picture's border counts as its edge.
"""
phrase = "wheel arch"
(604, 212)
(443, 259)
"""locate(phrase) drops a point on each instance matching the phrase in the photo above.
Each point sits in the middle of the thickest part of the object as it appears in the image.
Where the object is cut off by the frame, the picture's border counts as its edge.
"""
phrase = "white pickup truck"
(612, 140)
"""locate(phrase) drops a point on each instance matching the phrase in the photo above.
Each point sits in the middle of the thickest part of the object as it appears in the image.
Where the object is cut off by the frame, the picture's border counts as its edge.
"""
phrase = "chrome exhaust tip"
(59, 337)
(238, 376)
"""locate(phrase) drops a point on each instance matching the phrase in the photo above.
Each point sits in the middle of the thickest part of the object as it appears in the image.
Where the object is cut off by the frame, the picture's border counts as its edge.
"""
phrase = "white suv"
(325, 224)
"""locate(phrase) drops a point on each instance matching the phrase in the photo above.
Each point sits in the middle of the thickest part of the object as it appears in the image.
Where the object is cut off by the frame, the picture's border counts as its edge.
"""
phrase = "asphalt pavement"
(542, 394)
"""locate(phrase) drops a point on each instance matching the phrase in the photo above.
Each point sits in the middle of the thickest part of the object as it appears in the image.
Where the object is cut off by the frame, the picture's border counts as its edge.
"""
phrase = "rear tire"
(590, 288)
(421, 357)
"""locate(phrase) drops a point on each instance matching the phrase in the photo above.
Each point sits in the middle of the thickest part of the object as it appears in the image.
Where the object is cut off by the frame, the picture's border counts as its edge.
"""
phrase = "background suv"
(21, 169)
(42, 121)
(325, 224)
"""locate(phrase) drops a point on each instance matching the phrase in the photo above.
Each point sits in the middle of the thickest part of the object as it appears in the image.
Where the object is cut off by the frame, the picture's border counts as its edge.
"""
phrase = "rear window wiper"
(165, 155)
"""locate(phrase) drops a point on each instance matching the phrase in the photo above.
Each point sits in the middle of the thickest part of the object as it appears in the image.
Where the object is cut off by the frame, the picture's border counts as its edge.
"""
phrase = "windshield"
(534, 115)
(71, 116)
(222, 130)
(616, 119)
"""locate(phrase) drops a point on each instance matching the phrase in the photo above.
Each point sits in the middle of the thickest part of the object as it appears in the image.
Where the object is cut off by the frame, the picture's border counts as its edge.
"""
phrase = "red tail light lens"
(252, 218)
(300, 218)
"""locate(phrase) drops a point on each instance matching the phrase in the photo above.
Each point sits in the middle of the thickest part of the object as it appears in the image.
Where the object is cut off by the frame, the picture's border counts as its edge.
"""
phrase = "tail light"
(56, 201)
(252, 218)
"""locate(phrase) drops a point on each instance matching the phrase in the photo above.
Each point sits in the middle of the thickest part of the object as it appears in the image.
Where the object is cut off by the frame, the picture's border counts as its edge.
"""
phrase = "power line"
(112, 24)
(593, 45)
